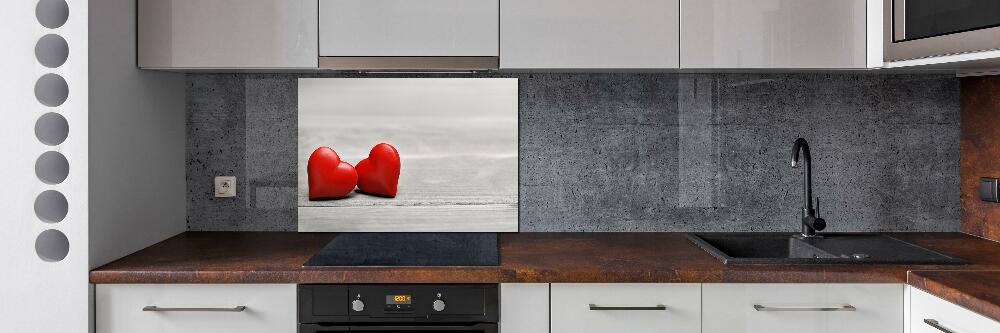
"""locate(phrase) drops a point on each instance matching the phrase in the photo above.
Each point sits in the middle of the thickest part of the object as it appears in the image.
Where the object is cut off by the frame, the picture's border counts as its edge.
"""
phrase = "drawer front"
(571, 310)
(269, 308)
(730, 308)
(946, 315)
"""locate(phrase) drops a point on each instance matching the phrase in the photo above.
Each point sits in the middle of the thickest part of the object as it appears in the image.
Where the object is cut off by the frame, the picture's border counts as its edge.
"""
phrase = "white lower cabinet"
(625, 307)
(930, 314)
(569, 308)
(196, 308)
(816, 308)
(524, 308)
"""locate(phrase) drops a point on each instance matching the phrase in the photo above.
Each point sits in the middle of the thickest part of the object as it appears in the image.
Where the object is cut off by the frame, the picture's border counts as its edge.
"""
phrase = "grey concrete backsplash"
(639, 152)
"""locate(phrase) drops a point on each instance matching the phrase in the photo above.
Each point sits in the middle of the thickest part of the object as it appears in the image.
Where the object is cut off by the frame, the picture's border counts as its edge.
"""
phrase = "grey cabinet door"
(228, 33)
(773, 34)
(589, 34)
(408, 28)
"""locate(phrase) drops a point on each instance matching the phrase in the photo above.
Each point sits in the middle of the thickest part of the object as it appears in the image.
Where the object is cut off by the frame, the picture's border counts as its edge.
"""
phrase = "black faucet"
(810, 221)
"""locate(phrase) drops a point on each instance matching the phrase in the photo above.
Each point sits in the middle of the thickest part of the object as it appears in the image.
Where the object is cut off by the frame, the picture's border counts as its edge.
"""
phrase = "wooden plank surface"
(458, 143)
(435, 218)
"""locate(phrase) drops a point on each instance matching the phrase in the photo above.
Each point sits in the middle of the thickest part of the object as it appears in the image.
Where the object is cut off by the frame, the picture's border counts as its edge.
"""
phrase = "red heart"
(379, 173)
(329, 177)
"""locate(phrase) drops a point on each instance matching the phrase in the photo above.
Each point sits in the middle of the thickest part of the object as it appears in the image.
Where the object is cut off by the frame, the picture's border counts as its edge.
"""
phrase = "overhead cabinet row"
(505, 34)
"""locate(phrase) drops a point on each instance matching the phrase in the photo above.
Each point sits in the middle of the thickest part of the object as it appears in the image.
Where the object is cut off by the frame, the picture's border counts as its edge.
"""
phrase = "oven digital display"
(398, 299)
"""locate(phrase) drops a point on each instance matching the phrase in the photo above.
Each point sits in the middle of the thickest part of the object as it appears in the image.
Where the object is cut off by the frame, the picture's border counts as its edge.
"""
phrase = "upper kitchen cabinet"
(589, 34)
(929, 34)
(240, 34)
(780, 34)
(408, 34)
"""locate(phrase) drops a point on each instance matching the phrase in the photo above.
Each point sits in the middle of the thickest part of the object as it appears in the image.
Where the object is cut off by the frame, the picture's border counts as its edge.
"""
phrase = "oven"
(928, 28)
(466, 308)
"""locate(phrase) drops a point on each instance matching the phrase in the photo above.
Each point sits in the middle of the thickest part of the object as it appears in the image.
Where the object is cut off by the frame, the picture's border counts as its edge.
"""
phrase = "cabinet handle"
(848, 307)
(240, 308)
(594, 307)
(935, 324)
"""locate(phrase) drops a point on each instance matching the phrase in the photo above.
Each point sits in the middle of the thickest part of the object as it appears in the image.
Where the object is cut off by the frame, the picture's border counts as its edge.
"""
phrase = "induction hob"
(409, 249)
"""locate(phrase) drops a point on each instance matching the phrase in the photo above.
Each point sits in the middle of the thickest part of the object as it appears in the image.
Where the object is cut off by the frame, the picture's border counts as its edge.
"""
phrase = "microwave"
(915, 29)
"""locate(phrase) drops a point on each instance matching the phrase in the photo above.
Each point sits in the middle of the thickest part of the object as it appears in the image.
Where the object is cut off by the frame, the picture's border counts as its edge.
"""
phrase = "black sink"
(786, 248)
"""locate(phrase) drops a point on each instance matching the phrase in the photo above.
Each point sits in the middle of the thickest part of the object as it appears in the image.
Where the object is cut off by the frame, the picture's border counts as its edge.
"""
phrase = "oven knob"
(358, 305)
(438, 305)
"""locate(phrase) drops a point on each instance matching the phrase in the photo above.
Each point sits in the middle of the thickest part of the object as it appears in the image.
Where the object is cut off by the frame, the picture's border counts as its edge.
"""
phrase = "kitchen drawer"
(948, 316)
(773, 308)
(625, 307)
(269, 308)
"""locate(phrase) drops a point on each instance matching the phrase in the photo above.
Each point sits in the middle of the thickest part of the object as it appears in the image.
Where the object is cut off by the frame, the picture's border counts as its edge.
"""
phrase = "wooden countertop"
(277, 257)
(978, 291)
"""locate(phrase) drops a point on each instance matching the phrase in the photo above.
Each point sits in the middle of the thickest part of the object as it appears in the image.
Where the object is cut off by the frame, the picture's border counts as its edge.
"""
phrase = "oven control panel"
(398, 303)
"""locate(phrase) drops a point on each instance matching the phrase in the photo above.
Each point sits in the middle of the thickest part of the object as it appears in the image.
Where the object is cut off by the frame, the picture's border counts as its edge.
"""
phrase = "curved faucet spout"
(800, 145)
(807, 188)
(810, 222)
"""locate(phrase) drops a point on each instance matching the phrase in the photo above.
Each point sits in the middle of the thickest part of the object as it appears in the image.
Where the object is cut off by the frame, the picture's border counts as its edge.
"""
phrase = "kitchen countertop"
(978, 291)
(277, 257)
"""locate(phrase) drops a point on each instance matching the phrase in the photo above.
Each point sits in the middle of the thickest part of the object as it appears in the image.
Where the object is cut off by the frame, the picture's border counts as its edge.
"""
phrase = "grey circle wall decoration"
(52, 167)
(52, 245)
(52, 13)
(51, 50)
(51, 128)
(51, 90)
(51, 206)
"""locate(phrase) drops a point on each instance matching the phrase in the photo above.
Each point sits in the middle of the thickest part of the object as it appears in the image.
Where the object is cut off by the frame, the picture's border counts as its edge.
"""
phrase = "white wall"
(137, 186)
(38, 295)
(126, 128)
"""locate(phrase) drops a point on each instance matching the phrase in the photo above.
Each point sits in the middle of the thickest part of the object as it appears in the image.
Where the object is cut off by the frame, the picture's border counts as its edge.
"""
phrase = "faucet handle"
(817, 206)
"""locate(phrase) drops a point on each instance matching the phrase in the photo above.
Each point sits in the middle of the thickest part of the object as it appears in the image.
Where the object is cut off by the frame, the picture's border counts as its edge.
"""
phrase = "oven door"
(926, 28)
(474, 328)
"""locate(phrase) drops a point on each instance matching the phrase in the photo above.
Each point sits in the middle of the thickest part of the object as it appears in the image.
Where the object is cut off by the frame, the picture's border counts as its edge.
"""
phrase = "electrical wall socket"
(988, 189)
(225, 187)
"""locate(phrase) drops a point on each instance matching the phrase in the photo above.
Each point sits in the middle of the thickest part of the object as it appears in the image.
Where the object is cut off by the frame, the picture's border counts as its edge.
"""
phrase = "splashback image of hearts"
(332, 179)
(429, 154)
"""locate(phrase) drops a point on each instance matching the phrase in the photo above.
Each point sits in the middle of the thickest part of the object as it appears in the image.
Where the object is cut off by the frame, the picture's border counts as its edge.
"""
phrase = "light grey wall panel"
(137, 135)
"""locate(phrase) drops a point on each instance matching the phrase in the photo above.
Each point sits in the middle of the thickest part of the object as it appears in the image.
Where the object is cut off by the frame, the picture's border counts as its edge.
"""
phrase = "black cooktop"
(409, 249)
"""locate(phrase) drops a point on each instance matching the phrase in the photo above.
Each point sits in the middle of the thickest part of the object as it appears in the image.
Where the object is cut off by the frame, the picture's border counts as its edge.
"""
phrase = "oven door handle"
(311, 328)
(314, 328)
(481, 327)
